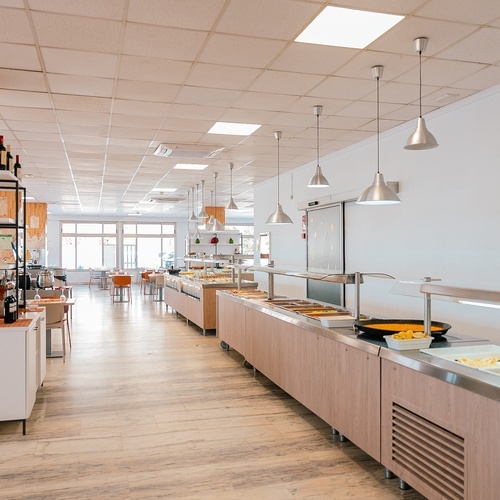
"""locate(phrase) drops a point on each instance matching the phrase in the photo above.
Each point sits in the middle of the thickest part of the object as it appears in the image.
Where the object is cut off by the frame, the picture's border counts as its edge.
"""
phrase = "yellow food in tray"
(409, 335)
(487, 362)
(402, 327)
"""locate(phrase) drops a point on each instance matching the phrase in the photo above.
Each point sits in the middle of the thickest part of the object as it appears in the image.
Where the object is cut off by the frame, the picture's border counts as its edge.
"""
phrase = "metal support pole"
(357, 283)
(427, 313)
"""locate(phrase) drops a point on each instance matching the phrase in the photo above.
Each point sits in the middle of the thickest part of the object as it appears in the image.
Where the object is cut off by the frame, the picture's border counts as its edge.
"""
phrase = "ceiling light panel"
(227, 128)
(190, 166)
(340, 27)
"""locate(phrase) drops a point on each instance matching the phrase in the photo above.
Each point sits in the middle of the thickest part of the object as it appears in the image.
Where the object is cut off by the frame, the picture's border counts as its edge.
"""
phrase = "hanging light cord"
(317, 139)
(215, 189)
(420, 80)
(278, 170)
(378, 125)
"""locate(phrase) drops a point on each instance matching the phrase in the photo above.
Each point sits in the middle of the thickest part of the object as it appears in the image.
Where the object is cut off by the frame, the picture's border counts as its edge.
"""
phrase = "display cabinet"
(13, 230)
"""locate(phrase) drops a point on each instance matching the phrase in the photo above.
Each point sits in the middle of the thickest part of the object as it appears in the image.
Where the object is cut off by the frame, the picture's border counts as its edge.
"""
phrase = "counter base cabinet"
(19, 373)
(439, 438)
(337, 382)
(356, 401)
(231, 324)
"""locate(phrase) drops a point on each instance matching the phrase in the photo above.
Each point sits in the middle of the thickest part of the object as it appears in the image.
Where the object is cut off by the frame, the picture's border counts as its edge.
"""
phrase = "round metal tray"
(367, 329)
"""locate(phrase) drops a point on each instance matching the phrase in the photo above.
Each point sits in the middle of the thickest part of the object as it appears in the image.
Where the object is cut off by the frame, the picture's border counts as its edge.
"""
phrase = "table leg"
(49, 353)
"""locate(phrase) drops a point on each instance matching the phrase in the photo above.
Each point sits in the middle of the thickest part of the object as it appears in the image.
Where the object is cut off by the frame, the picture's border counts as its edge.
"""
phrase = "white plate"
(406, 345)
(336, 321)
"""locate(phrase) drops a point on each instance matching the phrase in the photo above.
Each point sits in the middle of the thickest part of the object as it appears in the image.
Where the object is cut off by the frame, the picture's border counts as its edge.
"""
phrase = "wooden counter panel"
(209, 305)
(231, 323)
(474, 419)
(356, 403)
(263, 344)
(307, 375)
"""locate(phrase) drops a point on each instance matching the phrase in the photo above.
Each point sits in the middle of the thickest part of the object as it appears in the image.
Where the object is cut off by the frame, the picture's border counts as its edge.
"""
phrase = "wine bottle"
(2, 147)
(8, 163)
(3, 159)
(17, 168)
(10, 305)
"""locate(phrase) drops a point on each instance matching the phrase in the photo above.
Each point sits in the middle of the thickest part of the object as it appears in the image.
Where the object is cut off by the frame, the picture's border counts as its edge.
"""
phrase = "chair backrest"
(145, 275)
(54, 313)
(95, 274)
(120, 280)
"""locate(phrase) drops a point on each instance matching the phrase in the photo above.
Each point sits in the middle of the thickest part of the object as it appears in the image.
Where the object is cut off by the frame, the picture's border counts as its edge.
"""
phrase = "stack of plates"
(337, 321)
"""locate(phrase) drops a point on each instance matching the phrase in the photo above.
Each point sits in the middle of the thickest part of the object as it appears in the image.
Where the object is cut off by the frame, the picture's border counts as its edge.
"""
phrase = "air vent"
(187, 151)
(432, 454)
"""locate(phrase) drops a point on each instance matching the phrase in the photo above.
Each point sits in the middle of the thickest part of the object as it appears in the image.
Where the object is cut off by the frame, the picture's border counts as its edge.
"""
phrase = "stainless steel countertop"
(206, 284)
(482, 383)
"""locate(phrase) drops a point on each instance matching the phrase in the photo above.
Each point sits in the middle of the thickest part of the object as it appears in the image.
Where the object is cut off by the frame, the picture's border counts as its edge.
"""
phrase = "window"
(148, 245)
(88, 244)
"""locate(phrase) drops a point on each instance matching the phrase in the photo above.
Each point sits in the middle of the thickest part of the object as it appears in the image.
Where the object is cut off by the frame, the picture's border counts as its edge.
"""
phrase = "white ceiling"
(88, 89)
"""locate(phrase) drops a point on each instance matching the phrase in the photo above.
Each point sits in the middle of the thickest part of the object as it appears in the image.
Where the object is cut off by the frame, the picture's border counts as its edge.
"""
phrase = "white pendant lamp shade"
(318, 180)
(231, 204)
(209, 226)
(421, 138)
(378, 193)
(203, 214)
(278, 216)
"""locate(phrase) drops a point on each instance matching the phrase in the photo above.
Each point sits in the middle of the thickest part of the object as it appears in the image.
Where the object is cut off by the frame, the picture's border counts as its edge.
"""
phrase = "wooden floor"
(147, 407)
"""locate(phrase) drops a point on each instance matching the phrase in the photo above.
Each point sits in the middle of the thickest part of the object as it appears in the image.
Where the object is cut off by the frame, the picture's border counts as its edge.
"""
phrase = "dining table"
(49, 302)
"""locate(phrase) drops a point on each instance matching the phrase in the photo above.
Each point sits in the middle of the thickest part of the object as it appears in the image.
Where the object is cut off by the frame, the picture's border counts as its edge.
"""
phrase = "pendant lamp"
(217, 224)
(188, 236)
(193, 215)
(378, 193)
(231, 205)
(203, 214)
(318, 180)
(421, 138)
(196, 235)
(278, 216)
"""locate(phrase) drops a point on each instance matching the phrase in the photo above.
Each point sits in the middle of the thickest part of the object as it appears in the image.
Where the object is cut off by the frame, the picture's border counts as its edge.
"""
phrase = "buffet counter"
(195, 298)
(433, 423)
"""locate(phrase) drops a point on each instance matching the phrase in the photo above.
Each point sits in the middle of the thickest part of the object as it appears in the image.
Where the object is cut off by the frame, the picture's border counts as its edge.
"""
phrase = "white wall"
(446, 226)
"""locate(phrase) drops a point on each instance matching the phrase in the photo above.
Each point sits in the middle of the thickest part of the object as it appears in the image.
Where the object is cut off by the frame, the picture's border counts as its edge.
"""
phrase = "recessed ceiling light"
(190, 166)
(28, 176)
(164, 190)
(347, 27)
(29, 198)
(227, 128)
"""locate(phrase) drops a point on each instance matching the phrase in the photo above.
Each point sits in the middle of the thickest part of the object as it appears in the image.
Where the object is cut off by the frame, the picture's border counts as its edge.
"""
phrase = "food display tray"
(474, 353)
(368, 328)
(407, 344)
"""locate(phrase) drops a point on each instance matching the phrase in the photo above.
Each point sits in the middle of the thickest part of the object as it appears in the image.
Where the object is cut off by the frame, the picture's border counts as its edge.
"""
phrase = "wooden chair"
(120, 284)
(30, 294)
(94, 277)
(56, 317)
